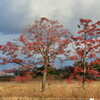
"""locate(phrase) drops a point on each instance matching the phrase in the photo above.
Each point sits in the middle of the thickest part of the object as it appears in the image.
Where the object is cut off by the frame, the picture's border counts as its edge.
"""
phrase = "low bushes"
(6, 78)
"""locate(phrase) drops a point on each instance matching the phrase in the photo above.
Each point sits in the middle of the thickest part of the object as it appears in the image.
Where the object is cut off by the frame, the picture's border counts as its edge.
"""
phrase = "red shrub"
(24, 78)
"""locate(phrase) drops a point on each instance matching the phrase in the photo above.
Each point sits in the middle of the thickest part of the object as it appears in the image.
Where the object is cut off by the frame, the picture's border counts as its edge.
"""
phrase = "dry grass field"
(54, 89)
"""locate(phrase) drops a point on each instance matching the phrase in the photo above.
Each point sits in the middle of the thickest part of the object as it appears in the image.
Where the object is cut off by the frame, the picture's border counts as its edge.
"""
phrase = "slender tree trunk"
(84, 77)
(44, 79)
(46, 63)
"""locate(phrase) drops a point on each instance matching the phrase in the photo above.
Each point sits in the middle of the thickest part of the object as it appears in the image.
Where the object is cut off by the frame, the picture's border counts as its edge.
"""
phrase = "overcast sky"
(16, 15)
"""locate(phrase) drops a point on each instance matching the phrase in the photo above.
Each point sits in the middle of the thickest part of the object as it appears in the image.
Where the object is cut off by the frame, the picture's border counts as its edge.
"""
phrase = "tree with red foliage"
(39, 45)
(95, 64)
(87, 46)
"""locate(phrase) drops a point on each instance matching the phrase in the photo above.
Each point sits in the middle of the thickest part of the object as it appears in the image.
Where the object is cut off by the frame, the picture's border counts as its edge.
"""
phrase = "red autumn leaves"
(91, 75)
(87, 46)
(24, 78)
(46, 39)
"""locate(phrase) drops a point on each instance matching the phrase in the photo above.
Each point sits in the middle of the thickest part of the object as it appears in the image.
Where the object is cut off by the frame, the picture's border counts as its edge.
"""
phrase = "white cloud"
(15, 15)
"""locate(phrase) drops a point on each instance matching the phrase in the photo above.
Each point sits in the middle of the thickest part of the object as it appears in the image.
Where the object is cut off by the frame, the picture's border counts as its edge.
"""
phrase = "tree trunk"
(44, 79)
(84, 77)
(43, 82)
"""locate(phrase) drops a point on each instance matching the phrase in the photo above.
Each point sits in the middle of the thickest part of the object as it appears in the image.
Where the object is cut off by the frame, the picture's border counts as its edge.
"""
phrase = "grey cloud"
(15, 15)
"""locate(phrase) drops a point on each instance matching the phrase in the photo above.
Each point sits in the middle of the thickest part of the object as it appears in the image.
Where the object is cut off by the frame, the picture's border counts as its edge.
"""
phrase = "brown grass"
(54, 89)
